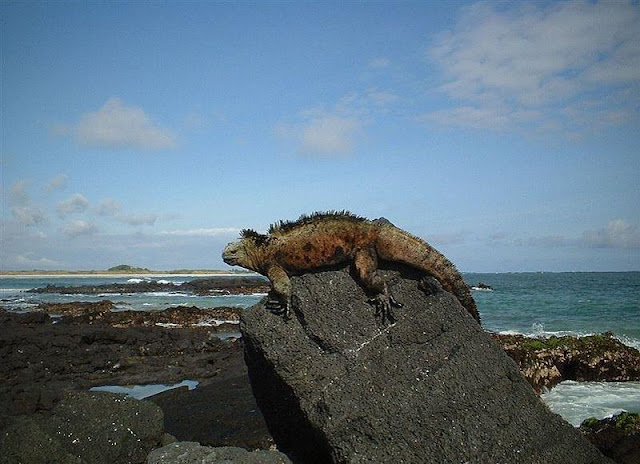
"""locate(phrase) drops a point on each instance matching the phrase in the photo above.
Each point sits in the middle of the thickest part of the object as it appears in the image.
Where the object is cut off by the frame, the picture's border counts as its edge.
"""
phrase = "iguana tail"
(394, 244)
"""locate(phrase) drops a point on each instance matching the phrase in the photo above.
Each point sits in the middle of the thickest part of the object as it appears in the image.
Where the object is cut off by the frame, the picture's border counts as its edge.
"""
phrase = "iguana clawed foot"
(281, 306)
(384, 302)
(277, 306)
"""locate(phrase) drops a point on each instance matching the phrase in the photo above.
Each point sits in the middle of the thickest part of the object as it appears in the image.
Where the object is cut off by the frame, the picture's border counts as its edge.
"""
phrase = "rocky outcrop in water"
(335, 384)
(545, 362)
(215, 285)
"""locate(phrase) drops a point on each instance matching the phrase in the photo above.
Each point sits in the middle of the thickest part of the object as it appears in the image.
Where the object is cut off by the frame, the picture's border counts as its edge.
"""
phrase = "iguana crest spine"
(281, 227)
(335, 237)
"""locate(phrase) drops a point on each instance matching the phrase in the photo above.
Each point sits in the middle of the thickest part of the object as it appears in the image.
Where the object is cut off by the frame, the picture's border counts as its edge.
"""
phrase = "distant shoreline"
(120, 274)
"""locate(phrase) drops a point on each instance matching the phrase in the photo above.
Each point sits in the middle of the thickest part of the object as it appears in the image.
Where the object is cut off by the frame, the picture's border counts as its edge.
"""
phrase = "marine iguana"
(332, 238)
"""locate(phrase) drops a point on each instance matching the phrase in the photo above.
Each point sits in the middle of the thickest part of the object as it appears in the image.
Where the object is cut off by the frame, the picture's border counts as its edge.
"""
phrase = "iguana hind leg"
(365, 263)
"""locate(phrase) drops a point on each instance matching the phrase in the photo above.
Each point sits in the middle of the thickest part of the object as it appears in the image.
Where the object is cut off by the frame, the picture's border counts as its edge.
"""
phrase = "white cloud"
(328, 135)
(112, 208)
(325, 135)
(532, 56)
(327, 131)
(58, 182)
(138, 219)
(117, 126)
(108, 207)
(203, 232)
(28, 215)
(79, 228)
(76, 204)
(617, 234)
(24, 212)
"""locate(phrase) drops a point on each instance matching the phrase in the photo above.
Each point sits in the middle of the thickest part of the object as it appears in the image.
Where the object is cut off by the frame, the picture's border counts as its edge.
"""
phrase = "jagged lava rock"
(545, 362)
(336, 385)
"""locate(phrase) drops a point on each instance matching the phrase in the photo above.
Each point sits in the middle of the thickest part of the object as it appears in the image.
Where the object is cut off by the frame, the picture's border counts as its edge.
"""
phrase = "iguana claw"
(384, 302)
(277, 306)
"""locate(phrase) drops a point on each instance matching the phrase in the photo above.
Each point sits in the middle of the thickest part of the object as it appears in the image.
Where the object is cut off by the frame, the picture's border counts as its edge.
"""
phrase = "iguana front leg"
(281, 286)
(365, 263)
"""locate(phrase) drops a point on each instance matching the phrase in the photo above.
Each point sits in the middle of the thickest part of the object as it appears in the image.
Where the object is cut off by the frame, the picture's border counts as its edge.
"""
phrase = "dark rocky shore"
(51, 357)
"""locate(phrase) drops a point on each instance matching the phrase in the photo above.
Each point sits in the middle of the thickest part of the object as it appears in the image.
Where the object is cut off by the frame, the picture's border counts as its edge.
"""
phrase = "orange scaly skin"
(329, 239)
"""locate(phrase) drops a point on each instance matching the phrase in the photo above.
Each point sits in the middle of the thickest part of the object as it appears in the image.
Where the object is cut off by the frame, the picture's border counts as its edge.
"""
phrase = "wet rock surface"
(220, 412)
(42, 360)
(337, 385)
(80, 312)
(545, 362)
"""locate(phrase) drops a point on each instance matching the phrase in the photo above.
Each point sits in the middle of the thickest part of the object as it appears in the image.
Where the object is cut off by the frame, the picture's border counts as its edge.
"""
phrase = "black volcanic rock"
(194, 453)
(617, 437)
(239, 284)
(221, 285)
(337, 385)
(138, 287)
(96, 428)
(41, 359)
(220, 412)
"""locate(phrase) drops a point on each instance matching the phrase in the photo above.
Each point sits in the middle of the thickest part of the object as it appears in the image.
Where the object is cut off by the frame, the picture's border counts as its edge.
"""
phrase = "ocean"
(534, 304)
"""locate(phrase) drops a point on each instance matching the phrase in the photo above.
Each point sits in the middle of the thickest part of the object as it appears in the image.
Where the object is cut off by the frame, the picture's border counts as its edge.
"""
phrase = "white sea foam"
(216, 322)
(577, 401)
(165, 294)
(538, 331)
(632, 342)
(241, 295)
(143, 391)
(545, 333)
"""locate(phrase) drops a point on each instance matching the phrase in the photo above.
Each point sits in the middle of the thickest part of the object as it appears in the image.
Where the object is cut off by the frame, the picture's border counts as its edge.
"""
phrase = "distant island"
(123, 269)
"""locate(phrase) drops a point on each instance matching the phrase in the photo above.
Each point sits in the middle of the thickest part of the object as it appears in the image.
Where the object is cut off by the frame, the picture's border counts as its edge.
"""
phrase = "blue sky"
(505, 134)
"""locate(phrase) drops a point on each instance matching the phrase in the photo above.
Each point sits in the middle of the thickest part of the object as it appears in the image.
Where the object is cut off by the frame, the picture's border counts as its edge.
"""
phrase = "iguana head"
(246, 251)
